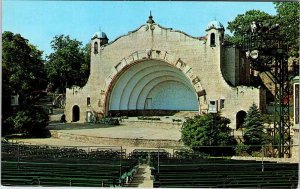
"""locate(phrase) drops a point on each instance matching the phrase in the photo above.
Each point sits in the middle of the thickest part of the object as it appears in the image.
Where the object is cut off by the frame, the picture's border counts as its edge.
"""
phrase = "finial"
(150, 20)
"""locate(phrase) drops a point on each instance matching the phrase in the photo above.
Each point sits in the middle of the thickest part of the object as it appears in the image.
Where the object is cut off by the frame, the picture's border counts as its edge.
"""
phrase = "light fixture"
(254, 54)
(247, 54)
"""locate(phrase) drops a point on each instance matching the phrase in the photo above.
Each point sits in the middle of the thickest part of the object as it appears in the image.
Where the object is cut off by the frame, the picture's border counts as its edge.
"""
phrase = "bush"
(190, 155)
(209, 134)
(257, 154)
(29, 120)
(241, 150)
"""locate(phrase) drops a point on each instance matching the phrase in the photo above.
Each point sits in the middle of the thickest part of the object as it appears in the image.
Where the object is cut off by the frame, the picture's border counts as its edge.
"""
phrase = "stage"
(130, 134)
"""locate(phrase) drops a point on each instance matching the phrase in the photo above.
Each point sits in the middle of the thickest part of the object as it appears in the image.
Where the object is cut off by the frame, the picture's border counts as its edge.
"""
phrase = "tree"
(23, 73)
(67, 65)
(208, 130)
(23, 68)
(288, 18)
(254, 134)
(85, 66)
(242, 22)
(29, 120)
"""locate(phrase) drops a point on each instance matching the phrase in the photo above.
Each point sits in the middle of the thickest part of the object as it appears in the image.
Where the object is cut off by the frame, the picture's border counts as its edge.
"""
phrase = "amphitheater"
(133, 154)
(158, 73)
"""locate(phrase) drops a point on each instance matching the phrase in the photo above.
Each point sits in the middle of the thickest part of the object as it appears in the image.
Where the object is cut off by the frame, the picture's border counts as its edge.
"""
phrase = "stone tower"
(215, 34)
(98, 40)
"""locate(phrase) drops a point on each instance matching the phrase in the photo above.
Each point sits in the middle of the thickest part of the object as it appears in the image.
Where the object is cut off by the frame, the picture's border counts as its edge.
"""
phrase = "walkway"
(142, 178)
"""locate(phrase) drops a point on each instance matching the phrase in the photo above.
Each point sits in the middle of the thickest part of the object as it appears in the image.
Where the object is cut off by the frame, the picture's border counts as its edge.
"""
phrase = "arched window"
(95, 48)
(212, 39)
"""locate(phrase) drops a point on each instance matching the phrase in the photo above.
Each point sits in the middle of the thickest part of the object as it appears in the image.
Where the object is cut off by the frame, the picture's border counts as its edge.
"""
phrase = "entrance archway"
(75, 113)
(152, 87)
(240, 119)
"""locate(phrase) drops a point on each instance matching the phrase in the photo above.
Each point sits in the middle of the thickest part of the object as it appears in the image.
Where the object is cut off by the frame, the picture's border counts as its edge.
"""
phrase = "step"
(142, 178)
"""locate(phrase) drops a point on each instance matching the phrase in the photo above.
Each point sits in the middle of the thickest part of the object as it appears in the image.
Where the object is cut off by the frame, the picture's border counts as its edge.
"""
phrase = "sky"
(39, 21)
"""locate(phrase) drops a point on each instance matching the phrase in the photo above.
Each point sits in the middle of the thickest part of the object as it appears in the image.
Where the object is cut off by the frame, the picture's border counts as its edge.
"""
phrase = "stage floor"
(127, 129)
(130, 135)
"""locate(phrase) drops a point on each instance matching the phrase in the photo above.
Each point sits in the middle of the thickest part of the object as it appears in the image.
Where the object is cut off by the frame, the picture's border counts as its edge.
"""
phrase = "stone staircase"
(46, 102)
(142, 179)
(268, 81)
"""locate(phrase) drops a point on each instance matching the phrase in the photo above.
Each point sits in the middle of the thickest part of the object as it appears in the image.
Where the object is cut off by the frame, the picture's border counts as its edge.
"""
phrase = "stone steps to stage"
(142, 178)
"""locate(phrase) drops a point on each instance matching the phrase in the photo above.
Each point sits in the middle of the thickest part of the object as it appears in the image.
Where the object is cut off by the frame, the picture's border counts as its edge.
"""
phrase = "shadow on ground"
(77, 126)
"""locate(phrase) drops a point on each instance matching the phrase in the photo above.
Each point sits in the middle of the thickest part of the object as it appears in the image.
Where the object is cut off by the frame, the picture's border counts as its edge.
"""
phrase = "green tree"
(208, 130)
(242, 23)
(85, 66)
(288, 18)
(22, 67)
(29, 120)
(23, 73)
(254, 134)
(67, 65)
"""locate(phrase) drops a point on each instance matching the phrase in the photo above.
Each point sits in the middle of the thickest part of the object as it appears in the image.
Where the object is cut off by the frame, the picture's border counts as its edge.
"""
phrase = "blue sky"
(40, 21)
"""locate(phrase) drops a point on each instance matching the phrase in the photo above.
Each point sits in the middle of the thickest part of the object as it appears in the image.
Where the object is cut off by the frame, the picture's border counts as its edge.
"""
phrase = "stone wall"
(195, 57)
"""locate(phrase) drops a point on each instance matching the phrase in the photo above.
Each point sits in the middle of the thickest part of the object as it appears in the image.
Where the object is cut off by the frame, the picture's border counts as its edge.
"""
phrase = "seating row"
(33, 152)
(27, 165)
(219, 173)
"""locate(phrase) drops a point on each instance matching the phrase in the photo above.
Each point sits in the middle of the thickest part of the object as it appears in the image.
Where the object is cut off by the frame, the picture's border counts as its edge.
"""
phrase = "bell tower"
(215, 34)
(99, 39)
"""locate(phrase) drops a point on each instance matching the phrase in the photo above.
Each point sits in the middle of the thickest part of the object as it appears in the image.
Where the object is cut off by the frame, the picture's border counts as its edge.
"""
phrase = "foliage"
(23, 73)
(257, 154)
(85, 66)
(241, 149)
(208, 130)
(189, 154)
(68, 65)
(22, 68)
(288, 18)
(29, 120)
(254, 130)
(242, 23)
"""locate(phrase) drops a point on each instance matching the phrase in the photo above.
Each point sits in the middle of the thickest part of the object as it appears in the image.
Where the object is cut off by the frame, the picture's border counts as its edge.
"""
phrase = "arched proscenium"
(132, 87)
(168, 82)
(165, 84)
(148, 87)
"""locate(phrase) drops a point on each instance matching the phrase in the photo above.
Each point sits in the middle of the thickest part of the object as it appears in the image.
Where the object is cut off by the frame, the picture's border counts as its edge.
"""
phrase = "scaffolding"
(267, 53)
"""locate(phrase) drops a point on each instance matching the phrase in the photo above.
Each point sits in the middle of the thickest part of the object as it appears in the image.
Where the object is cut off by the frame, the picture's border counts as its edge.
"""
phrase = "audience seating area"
(30, 165)
(53, 166)
(223, 173)
(148, 155)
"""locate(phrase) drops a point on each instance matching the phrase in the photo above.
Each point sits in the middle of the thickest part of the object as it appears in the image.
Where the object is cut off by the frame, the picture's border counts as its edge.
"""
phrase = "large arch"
(151, 85)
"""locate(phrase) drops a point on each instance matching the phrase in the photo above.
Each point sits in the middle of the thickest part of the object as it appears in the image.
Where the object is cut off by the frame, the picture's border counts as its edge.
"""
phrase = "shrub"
(254, 130)
(241, 149)
(30, 120)
(209, 134)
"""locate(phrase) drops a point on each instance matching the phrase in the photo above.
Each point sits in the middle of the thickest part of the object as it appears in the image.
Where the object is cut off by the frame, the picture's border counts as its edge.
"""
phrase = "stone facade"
(146, 68)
